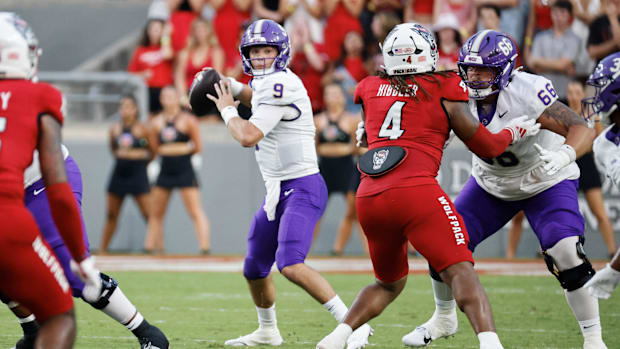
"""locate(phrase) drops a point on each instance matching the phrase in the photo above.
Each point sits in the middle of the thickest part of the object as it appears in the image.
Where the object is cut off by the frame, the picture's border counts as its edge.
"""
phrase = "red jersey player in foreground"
(30, 119)
(409, 111)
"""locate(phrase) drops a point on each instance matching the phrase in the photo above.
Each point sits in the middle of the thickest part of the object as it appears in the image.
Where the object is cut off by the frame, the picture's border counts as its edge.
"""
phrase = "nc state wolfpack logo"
(378, 158)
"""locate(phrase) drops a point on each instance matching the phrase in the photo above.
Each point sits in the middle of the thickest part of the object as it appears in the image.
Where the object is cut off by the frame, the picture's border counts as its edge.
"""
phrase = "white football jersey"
(33, 172)
(606, 149)
(287, 150)
(517, 173)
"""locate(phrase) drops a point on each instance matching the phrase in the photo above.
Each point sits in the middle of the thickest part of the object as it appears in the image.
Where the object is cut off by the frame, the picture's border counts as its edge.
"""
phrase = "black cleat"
(26, 342)
(154, 339)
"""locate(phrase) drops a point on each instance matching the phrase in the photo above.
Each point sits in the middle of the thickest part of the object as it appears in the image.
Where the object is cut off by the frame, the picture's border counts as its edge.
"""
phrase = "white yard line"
(340, 265)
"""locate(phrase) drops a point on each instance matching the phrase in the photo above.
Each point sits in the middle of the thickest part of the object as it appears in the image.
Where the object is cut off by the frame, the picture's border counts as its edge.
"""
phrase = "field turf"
(202, 310)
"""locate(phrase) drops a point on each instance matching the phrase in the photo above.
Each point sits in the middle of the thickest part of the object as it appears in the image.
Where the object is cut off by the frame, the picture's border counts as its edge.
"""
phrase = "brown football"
(202, 85)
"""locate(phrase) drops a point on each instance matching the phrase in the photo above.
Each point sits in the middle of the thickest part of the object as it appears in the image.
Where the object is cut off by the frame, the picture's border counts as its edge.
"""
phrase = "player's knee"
(567, 261)
(108, 286)
(253, 269)
(288, 258)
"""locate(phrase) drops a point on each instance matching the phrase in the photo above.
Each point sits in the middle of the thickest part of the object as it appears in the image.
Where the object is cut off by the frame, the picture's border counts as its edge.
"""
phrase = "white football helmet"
(19, 48)
(408, 49)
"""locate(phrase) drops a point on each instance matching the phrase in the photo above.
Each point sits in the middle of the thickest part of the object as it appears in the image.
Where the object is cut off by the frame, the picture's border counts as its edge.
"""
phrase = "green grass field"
(202, 310)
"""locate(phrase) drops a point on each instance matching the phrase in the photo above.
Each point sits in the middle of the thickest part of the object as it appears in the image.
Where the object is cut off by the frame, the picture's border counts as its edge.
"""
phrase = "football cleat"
(155, 339)
(592, 343)
(331, 341)
(262, 336)
(359, 338)
(435, 328)
(26, 342)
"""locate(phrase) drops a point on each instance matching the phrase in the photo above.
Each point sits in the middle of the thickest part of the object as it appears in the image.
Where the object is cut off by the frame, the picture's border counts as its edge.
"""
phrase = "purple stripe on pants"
(287, 239)
(36, 202)
(553, 214)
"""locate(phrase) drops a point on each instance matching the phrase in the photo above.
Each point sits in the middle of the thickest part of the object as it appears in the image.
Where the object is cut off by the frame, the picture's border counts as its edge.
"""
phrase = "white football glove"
(602, 284)
(555, 160)
(522, 127)
(89, 274)
(359, 133)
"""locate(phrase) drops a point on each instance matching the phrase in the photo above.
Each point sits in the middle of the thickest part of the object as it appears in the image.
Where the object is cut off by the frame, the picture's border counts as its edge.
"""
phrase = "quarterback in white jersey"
(606, 104)
(282, 131)
(538, 176)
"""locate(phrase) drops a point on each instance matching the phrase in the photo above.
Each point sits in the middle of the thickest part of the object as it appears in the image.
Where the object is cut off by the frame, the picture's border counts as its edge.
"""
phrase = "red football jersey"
(21, 103)
(421, 127)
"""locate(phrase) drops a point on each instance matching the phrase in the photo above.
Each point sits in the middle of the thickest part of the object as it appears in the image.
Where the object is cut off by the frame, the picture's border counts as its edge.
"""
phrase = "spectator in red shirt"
(229, 16)
(202, 50)
(182, 14)
(419, 11)
(342, 17)
(152, 61)
(309, 62)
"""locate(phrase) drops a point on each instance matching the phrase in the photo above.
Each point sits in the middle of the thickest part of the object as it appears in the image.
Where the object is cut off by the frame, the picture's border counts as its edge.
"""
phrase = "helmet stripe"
(258, 27)
(475, 47)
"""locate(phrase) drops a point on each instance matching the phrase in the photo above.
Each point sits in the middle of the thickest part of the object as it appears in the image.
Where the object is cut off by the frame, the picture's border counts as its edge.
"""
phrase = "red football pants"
(423, 215)
(30, 273)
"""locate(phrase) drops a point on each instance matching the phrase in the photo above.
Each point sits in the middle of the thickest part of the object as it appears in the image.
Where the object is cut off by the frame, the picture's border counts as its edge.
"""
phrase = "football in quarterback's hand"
(202, 85)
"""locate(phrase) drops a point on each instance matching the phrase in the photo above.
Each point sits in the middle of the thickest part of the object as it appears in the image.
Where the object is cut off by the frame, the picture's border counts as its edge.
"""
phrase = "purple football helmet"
(265, 32)
(606, 82)
(491, 49)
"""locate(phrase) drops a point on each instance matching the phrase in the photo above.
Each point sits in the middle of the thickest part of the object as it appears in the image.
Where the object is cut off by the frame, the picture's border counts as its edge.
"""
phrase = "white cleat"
(435, 328)
(594, 344)
(359, 338)
(331, 341)
(262, 336)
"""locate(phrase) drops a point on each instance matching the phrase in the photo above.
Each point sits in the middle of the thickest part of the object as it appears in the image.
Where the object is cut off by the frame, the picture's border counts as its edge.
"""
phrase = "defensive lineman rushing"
(111, 300)
(282, 131)
(409, 111)
(31, 119)
(538, 176)
(606, 103)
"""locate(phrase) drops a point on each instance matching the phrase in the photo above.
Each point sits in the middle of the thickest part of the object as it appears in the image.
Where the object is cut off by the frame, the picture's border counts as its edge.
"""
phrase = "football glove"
(359, 133)
(602, 284)
(555, 160)
(522, 127)
(89, 274)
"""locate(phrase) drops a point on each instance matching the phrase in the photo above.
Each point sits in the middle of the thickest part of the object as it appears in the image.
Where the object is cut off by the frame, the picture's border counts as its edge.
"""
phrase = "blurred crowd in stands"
(335, 44)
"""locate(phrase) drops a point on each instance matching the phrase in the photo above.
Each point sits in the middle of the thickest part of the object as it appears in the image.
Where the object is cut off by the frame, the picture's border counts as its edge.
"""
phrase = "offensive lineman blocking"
(538, 176)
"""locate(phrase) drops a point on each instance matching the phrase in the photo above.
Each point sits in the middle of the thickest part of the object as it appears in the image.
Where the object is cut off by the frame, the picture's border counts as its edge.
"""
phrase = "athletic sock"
(444, 302)
(29, 325)
(141, 328)
(585, 309)
(267, 317)
(489, 340)
(122, 310)
(337, 308)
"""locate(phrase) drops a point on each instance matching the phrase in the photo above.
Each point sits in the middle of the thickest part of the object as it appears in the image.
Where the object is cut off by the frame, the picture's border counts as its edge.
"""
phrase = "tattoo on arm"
(50, 153)
(559, 118)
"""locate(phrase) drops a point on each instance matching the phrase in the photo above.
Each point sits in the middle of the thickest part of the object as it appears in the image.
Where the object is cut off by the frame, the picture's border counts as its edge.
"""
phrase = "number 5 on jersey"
(391, 124)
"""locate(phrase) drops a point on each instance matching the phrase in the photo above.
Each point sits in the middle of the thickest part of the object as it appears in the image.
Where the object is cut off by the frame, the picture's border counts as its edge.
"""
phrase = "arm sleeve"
(51, 102)
(267, 116)
(488, 145)
(67, 218)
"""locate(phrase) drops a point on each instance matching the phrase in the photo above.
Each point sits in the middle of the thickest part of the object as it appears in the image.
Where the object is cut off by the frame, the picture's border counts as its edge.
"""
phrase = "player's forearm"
(580, 137)
(244, 132)
(488, 145)
(241, 91)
